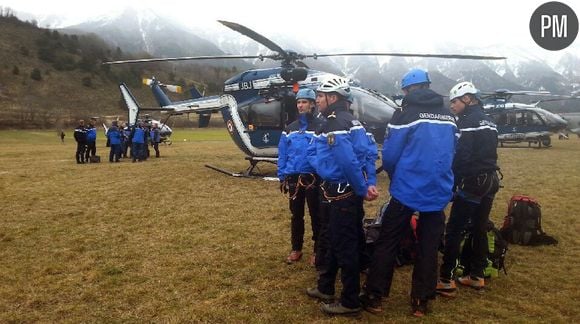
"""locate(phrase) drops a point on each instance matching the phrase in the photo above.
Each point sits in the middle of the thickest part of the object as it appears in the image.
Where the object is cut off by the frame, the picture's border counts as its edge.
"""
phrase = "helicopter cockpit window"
(265, 114)
(369, 108)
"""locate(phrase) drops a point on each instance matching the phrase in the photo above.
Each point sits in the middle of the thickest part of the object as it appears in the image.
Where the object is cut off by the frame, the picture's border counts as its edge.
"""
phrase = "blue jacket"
(91, 134)
(477, 145)
(154, 135)
(127, 134)
(114, 135)
(138, 135)
(293, 146)
(418, 152)
(343, 152)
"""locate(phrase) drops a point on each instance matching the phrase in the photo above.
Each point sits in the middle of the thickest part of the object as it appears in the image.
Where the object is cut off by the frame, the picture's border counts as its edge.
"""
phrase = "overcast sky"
(405, 23)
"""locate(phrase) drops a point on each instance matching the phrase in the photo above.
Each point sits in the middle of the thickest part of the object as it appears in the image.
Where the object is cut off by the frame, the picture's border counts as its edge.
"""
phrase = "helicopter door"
(289, 110)
(265, 123)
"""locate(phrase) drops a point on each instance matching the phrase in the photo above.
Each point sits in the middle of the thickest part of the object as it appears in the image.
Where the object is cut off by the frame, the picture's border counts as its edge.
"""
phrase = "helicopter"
(258, 104)
(519, 122)
(573, 120)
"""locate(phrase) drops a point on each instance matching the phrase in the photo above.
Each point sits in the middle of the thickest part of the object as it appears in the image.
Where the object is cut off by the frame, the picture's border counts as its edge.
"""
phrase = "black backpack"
(408, 246)
(523, 222)
(497, 249)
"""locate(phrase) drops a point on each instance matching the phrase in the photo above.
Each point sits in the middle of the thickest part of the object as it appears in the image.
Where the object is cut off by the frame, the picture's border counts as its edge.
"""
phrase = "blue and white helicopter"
(258, 104)
(519, 122)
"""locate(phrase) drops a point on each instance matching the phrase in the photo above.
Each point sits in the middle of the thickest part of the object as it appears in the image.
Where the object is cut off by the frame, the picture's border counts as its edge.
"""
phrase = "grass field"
(169, 240)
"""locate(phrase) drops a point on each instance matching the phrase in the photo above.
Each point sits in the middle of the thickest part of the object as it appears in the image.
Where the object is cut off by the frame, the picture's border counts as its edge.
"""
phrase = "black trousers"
(299, 196)
(343, 235)
(80, 154)
(156, 148)
(91, 150)
(115, 153)
(396, 222)
(471, 205)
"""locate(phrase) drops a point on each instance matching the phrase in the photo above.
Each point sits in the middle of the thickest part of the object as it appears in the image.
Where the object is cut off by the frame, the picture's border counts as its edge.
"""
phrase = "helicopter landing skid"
(249, 173)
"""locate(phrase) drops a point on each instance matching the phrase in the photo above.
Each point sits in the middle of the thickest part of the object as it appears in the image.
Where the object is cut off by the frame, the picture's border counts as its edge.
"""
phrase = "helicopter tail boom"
(131, 103)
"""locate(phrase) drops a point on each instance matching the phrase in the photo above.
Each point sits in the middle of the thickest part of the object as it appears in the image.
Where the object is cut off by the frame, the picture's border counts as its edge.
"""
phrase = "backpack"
(523, 222)
(408, 246)
(497, 249)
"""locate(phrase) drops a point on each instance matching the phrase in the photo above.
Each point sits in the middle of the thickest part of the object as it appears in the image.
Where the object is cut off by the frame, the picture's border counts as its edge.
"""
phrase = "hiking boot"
(338, 309)
(312, 260)
(472, 281)
(315, 293)
(370, 303)
(294, 256)
(446, 288)
(418, 307)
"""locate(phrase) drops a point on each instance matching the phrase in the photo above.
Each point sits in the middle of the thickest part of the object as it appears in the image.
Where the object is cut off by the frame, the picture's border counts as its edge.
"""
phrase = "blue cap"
(415, 76)
(306, 94)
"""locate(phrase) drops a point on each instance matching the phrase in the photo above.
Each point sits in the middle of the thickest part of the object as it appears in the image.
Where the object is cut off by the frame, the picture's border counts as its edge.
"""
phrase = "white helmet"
(335, 84)
(462, 88)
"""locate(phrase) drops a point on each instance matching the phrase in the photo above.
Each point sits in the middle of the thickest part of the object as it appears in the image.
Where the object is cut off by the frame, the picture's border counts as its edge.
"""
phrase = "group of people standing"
(432, 155)
(119, 140)
(86, 138)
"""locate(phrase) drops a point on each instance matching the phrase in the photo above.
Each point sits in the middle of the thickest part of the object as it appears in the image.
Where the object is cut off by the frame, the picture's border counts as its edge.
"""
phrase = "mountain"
(50, 78)
(143, 31)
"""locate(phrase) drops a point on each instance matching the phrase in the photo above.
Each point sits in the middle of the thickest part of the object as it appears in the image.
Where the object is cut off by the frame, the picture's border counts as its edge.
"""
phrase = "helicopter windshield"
(262, 114)
(371, 108)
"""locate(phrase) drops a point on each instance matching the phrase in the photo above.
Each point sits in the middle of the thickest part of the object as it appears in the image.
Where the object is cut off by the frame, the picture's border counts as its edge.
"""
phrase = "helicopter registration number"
(246, 85)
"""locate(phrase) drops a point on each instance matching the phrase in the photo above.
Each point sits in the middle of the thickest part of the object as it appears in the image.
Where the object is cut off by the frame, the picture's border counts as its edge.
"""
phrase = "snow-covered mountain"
(139, 31)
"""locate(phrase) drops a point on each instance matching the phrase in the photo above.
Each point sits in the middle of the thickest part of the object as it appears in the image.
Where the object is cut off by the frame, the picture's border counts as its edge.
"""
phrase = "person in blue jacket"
(475, 169)
(91, 139)
(417, 155)
(298, 177)
(114, 137)
(344, 158)
(138, 142)
(155, 137)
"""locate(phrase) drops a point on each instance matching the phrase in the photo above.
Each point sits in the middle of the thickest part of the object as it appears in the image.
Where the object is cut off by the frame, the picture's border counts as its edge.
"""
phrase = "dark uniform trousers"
(91, 149)
(396, 221)
(80, 153)
(309, 195)
(341, 238)
(472, 204)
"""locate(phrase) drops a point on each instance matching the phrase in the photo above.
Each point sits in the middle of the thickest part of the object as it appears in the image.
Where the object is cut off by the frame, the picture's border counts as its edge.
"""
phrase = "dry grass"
(171, 241)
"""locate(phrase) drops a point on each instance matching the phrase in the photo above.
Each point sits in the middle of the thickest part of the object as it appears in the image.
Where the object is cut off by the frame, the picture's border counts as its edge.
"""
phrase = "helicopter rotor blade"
(446, 56)
(192, 58)
(505, 92)
(255, 36)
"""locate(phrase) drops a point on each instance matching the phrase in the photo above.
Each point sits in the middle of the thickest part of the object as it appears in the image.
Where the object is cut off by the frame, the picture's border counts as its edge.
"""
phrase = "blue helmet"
(306, 93)
(415, 76)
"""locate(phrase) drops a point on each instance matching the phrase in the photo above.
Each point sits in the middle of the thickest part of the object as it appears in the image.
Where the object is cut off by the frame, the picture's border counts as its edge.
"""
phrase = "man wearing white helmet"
(298, 176)
(475, 169)
(345, 158)
(417, 155)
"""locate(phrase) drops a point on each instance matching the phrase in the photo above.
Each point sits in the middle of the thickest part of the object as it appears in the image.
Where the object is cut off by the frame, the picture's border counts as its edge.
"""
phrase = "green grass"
(169, 240)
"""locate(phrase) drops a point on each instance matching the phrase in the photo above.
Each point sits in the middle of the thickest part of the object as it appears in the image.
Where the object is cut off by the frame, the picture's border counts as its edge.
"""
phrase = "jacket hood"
(423, 98)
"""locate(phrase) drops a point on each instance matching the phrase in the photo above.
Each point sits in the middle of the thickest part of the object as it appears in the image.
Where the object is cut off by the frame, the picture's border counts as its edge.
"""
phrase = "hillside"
(48, 78)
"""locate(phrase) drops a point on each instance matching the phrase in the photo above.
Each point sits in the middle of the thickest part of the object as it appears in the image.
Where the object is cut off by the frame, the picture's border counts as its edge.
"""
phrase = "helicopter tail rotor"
(169, 87)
